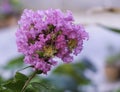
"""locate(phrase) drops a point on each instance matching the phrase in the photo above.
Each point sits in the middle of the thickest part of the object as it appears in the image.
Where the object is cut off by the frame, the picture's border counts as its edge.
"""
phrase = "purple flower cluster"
(44, 35)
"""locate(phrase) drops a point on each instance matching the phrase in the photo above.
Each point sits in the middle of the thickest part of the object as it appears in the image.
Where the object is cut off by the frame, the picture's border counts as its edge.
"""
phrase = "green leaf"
(61, 83)
(30, 89)
(42, 87)
(15, 63)
(15, 86)
(87, 65)
(64, 69)
(76, 71)
(6, 90)
(1, 79)
(1, 88)
(20, 76)
(110, 28)
(17, 83)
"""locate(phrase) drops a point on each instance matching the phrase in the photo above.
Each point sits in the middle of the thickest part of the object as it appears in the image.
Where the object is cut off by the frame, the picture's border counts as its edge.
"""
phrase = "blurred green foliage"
(14, 84)
(118, 90)
(15, 63)
(17, 6)
(65, 77)
(113, 59)
(117, 30)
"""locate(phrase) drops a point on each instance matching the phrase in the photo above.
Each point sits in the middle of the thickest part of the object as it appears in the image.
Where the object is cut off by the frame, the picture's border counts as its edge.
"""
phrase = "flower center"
(72, 43)
(49, 51)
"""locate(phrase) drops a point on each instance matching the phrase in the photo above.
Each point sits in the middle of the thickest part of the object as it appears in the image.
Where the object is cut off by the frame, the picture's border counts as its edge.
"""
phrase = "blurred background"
(96, 69)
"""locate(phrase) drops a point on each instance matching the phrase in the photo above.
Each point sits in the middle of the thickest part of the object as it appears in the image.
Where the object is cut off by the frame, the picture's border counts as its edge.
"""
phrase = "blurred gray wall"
(70, 4)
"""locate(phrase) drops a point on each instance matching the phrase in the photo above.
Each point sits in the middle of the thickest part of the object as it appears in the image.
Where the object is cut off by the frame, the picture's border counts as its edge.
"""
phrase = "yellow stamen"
(72, 43)
(49, 51)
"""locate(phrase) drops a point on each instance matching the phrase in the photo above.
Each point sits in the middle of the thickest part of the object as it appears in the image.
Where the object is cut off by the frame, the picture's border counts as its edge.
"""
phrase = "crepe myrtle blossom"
(44, 35)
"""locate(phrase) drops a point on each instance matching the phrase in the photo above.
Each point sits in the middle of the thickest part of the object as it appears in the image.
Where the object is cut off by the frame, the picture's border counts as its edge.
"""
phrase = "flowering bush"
(45, 35)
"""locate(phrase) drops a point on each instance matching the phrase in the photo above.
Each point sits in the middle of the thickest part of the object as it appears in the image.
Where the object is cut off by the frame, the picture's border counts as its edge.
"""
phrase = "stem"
(24, 68)
(28, 81)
